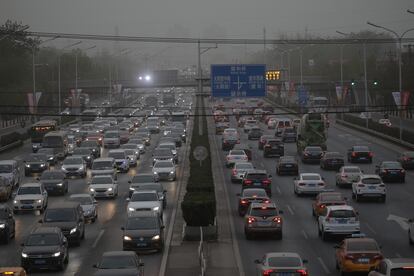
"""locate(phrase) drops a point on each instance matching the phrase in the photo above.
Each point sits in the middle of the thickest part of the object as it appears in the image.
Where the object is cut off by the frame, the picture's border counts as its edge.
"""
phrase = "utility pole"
(264, 45)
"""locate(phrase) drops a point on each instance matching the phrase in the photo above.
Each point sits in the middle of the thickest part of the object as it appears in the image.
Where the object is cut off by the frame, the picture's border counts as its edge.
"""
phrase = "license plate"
(393, 172)
(288, 166)
(311, 185)
(27, 206)
(40, 261)
(284, 274)
(264, 223)
(372, 187)
(257, 184)
(142, 244)
(363, 158)
(363, 260)
(341, 221)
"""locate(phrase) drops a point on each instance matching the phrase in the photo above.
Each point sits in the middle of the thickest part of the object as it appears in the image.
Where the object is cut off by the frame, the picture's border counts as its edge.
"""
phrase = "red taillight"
(322, 206)
(377, 257)
(370, 154)
(302, 272)
(361, 185)
(321, 184)
(277, 219)
(302, 184)
(402, 171)
(354, 154)
(406, 159)
(250, 220)
(234, 172)
(266, 182)
(243, 202)
(349, 257)
(267, 272)
(248, 182)
(344, 175)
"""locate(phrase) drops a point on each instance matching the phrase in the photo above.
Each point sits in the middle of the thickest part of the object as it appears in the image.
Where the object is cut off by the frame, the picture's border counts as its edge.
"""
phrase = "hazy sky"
(208, 18)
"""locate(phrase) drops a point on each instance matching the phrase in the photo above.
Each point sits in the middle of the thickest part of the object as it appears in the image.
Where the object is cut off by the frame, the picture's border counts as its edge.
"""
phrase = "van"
(9, 169)
(281, 124)
(104, 166)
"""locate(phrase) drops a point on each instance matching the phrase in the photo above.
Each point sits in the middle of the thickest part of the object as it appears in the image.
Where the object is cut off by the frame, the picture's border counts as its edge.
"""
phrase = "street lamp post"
(76, 69)
(201, 50)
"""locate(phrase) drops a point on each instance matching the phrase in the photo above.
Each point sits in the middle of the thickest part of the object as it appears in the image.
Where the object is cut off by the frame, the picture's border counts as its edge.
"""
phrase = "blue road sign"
(302, 95)
(238, 80)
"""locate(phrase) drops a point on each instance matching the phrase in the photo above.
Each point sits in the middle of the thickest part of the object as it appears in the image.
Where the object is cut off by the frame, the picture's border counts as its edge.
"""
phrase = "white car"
(235, 156)
(145, 201)
(103, 186)
(139, 143)
(111, 139)
(369, 185)
(386, 122)
(132, 157)
(10, 170)
(308, 183)
(338, 220)
(348, 175)
(164, 170)
(133, 146)
(239, 169)
(74, 166)
(231, 132)
(394, 267)
(29, 197)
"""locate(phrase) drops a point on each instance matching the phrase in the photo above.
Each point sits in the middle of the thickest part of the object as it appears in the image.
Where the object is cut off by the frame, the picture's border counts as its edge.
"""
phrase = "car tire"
(357, 198)
(324, 235)
(15, 212)
(6, 237)
(83, 234)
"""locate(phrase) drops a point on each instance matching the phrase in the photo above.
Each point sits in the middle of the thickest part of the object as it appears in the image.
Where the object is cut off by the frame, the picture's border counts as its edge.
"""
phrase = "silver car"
(164, 170)
(281, 263)
(239, 169)
(103, 186)
(348, 175)
(88, 204)
(111, 139)
(74, 166)
(104, 166)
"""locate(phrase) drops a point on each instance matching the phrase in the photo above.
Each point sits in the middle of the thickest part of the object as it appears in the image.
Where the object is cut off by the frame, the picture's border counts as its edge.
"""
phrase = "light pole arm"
(404, 33)
(384, 28)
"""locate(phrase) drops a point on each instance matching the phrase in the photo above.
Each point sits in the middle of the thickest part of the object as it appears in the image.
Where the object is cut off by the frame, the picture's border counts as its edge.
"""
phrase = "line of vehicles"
(75, 152)
(335, 216)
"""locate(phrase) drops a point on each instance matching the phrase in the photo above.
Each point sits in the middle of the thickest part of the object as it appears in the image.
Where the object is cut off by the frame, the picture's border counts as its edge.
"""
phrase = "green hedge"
(199, 208)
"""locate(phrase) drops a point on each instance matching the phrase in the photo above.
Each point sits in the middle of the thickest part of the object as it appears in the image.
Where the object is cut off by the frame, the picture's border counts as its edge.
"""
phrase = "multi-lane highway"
(383, 222)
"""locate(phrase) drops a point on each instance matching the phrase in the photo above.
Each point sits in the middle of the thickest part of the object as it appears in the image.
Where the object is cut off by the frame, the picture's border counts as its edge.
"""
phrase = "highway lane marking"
(305, 235)
(324, 266)
(370, 228)
(290, 209)
(95, 243)
(278, 190)
(403, 222)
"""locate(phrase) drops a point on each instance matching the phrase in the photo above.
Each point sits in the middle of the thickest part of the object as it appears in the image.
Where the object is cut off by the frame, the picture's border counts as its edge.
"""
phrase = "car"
(30, 197)
(385, 122)
(135, 147)
(145, 138)
(390, 171)
(347, 175)
(95, 136)
(103, 186)
(338, 220)
(249, 124)
(332, 161)
(123, 137)
(406, 159)
(360, 154)
(162, 154)
(121, 159)
(221, 126)
(242, 120)
(257, 179)
(68, 216)
(86, 154)
(312, 154)
(287, 165)
(308, 183)
(289, 134)
(51, 155)
(369, 185)
(93, 146)
(55, 182)
(262, 140)
(35, 163)
(119, 263)
(357, 254)
(288, 263)
(296, 123)
(271, 122)
(144, 200)
(254, 133)
(235, 156)
(263, 218)
(162, 193)
(172, 147)
(238, 171)
(281, 124)
(74, 166)
(7, 224)
(104, 166)
(273, 147)
(141, 179)
(325, 199)
(88, 205)
(139, 144)
(179, 135)
(231, 131)
(52, 245)
(248, 196)
(394, 266)
(143, 231)
(111, 139)
(6, 189)
(247, 150)
(10, 170)
(164, 170)
(132, 157)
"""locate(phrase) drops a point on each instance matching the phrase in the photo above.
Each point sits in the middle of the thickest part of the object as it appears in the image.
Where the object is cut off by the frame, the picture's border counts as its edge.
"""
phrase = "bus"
(89, 115)
(38, 131)
(57, 140)
(318, 105)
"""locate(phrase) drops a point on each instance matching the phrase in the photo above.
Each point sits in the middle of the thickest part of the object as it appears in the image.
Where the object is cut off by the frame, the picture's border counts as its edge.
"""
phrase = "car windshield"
(102, 165)
(129, 152)
(142, 179)
(117, 155)
(167, 146)
(81, 151)
(311, 177)
(29, 191)
(361, 245)
(83, 200)
(290, 130)
(37, 158)
(61, 214)
(162, 152)
(264, 212)
(352, 170)
(42, 240)
(287, 160)
(342, 214)
(6, 168)
(284, 262)
(314, 149)
(155, 187)
(333, 155)
(117, 262)
(49, 175)
(102, 180)
(144, 197)
(72, 161)
(163, 165)
(361, 148)
(111, 135)
(142, 223)
(45, 151)
(391, 165)
(237, 152)
(372, 180)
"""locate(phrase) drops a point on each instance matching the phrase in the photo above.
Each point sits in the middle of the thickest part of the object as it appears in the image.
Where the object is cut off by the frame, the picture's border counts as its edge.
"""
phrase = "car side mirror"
(281, 212)
(257, 262)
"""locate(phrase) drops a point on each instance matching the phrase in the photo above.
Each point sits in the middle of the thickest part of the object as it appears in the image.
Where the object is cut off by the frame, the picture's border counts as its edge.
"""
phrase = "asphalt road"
(383, 222)
(103, 235)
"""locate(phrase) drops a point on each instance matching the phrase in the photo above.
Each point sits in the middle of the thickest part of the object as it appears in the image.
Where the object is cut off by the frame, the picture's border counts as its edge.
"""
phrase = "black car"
(289, 134)
(86, 154)
(287, 165)
(143, 231)
(51, 155)
(360, 154)
(332, 161)
(176, 137)
(68, 216)
(251, 195)
(180, 133)
(93, 146)
(257, 179)
(312, 154)
(35, 163)
(390, 171)
(254, 133)
(273, 147)
(45, 248)
(140, 179)
(228, 142)
(7, 224)
(125, 263)
(407, 160)
(55, 182)
(263, 140)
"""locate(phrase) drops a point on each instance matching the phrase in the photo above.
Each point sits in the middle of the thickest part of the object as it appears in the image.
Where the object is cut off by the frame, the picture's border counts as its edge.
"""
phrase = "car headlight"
(88, 157)
(156, 208)
(57, 254)
(127, 238)
(24, 255)
(27, 165)
(73, 230)
(63, 169)
(171, 159)
(14, 201)
(42, 165)
(131, 209)
(59, 184)
(140, 146)
(2, 225)
(80, 169)
(156, 237)
(51, 158)
(172, 172)
(155, 173)
(39, 201)
(131, 189)
(110, 189)
(92, 189)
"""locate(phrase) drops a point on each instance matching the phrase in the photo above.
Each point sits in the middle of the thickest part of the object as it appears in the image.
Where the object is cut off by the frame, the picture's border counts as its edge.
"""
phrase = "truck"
(312, 131)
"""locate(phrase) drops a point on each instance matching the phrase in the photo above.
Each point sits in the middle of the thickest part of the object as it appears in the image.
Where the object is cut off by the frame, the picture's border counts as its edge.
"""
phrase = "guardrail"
(201, 254)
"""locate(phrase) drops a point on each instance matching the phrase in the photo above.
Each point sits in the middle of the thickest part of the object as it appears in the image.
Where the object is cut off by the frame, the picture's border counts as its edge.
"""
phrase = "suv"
(121, 159)
(111, 139)
(273, 147)
(29, 197)
(258, 179)
(263, 218)
(104, 166)
(369, 185)
(54, 182)
(162, 154)
(7, 224)
(338, 220)
(53, 248)
(68, 216)
(74, 166)
(35, 163)
(10, 170)
(394, 266)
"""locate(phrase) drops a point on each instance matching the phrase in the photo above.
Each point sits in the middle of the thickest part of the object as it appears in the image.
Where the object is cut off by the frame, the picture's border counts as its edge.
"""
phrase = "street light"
(410, 11)
(201, 50)
(76, 66)
(341, 48)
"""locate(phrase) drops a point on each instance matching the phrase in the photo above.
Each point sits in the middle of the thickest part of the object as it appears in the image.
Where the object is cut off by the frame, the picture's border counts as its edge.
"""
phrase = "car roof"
(398, 262)
(145, 192)
(257, 171)
(310, 174)
(31, 184)
(104, 159)
(7, 162)
(63, 205)
(261, 205)
(142, 214)
(282, 254)
(45, 230)
(118, 253)
(116, 150)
